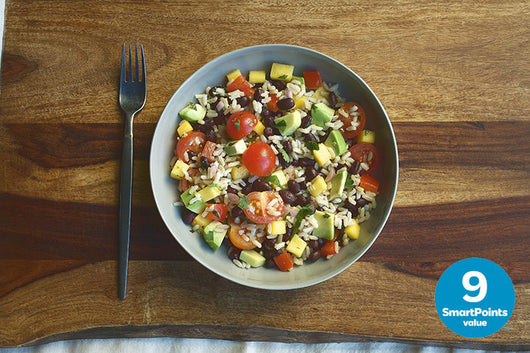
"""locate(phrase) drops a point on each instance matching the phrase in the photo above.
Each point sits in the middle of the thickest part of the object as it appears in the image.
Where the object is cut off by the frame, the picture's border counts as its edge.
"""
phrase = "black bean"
(268, 131)
(288, 234)
(205, 163)
(306, 121)
(220, 119)
(314, 256)
(260, 185)
(287, 146)
(301, 200)
(265, 112)
(310, 137)
(355, 168)
(285, 103)
(268, 121)
(231, 190)
(288, 197)
(243, 101)
(247, 189)
(325, 136)
(188, 216)
(270, 263)
(293, 186)
(191, 154)
(282, 161)
(303, 185)
(310, 173)
(234, 253)
(305, 162)
(314, 244)
(236, 211)
(212, 91)
(332, 99)
(211, 136)
(258, 95)
(280, 85)
(362, 202)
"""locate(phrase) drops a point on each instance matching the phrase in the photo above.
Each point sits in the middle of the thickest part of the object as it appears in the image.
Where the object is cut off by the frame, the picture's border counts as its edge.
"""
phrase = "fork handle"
(125, 205)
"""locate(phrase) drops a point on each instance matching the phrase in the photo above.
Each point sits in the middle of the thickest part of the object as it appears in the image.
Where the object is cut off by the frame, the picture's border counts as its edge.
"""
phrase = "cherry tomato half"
(366, 153)
(259, 159)
(194, 141)
(239, 240)
(240, 124)
(346, 130)
(218, 211)
(264, 206)
(240, 83)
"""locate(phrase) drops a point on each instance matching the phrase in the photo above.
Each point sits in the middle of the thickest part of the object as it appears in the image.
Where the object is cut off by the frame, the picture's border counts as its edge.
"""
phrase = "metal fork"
(132, 99)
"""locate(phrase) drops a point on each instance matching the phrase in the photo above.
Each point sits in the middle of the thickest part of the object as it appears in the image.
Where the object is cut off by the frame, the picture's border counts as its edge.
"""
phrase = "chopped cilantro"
(285, 156)
(349, 182)
(273, 179)
(216, 214)
(237, 124)
(284, 76)
(303, 212)
(243, 202)
(280, 124)
(312, 145)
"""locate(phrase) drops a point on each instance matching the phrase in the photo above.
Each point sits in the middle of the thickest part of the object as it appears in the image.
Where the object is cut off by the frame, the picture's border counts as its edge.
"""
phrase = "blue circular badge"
(474, 297)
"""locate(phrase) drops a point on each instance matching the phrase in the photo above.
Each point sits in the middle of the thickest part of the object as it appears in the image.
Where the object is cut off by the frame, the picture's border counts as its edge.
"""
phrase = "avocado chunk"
(321, 114)
(337, 184)
(288, 123)
(193, 112)
(196, 206)
(213, 236)
(252, 257)
(326, 225)
(336, 141)
(235, 147)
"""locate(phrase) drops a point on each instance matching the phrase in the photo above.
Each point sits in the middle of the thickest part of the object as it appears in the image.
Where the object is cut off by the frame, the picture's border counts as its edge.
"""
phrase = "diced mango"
(320, 92)
(353, 230)
(296, 246)
(255, 76)
(282, 72)
(209, 192)
(184, 127)
(233, 74)
(178, 169)
(200, 221)
(366, 136)
(259, 128)
(299, 103)
(317, 186)
(276, 227)
(282, 179)
(322, 155)
(239, 172)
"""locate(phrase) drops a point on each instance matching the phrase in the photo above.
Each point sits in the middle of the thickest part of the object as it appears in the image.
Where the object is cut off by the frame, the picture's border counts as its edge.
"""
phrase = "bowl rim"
(378, 229)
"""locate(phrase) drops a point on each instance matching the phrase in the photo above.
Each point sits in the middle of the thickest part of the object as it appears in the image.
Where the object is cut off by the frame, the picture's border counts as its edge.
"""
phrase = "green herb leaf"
(216, 214)
(349, 182)
(285, 156)
(284, 76)
(302, 213)
(243, 202)
(280, 124)
(237, 124)
(273, 179)
(312, 145)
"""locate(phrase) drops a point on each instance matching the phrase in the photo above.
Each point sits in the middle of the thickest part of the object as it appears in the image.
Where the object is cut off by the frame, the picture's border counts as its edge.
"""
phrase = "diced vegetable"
(317, 186)
(353, 230)
(210, 192)
(282, 179)
(312, 79)
(233, 75)
(366, 136)
(239, 172)
(217, 211)
(369, 183)
(201, 221)
(252, 257)
(276, 227)
(240, 83)
(255, 76)
(322, 155)
(296, 246)
(177, 172)
(259, 128)
(184, 128)
(281, 72)
(284, 261)
(208, 150)
(329, 248)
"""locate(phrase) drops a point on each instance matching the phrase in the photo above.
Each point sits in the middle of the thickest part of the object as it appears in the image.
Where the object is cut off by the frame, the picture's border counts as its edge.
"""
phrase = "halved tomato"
(239, 238)
(366, 153)
(194, 141)
(264, 206)
(240, 124)
(354, 111)
(217, 211)
(259, 159)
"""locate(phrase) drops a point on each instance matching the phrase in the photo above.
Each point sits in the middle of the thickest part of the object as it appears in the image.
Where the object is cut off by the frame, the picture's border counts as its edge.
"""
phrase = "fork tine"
(130, 65)
(122, 75)
(137, 78)
(143, 63)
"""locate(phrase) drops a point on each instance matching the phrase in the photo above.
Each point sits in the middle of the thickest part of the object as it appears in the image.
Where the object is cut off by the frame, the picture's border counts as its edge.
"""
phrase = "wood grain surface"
(454, 78)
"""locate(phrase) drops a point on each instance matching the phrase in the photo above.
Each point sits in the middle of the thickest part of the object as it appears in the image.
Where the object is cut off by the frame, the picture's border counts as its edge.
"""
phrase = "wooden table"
(453, 77)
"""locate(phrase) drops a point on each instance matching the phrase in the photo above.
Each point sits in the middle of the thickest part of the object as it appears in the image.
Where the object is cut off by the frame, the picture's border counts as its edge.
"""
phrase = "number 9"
(481, 286)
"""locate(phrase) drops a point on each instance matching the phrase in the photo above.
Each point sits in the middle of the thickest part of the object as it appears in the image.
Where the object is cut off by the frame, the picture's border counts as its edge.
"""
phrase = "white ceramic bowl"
(261, 57)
